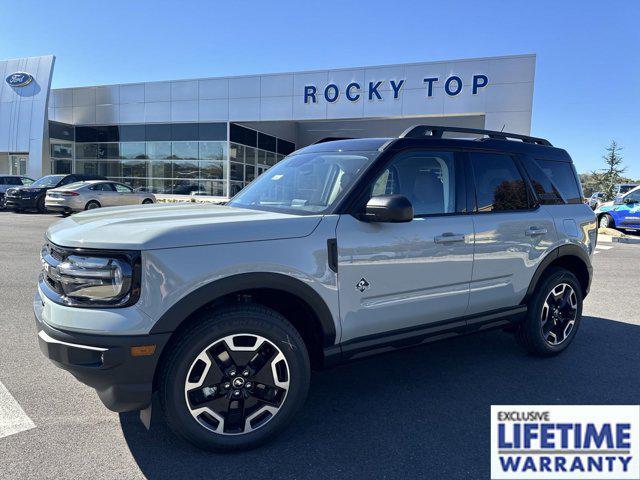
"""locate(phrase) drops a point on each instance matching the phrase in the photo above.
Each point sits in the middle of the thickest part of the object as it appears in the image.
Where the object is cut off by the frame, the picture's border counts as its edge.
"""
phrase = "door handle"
(534, 231)
(449, 238)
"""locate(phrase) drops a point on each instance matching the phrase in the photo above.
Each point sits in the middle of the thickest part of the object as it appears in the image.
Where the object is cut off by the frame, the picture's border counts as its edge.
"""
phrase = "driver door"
(124, 194)
(404, 276)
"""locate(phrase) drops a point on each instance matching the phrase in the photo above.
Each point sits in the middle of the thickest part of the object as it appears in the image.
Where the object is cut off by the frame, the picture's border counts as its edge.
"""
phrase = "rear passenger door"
(512, 233)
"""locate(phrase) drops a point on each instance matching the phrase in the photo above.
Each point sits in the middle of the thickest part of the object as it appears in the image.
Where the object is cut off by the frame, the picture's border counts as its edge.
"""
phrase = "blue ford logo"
(19, 79)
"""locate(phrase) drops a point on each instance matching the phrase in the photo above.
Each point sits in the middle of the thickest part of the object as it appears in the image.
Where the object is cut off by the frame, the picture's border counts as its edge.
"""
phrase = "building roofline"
(297, 72)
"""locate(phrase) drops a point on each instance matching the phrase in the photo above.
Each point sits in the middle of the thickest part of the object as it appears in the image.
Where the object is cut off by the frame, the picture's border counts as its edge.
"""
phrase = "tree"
(606, 179)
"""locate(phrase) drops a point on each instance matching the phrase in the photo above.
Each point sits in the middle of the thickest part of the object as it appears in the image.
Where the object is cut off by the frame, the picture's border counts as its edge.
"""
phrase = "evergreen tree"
(608, 177)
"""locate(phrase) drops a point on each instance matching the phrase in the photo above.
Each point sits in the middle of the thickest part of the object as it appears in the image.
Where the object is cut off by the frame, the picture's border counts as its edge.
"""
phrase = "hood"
(148, 227)
(605, 206)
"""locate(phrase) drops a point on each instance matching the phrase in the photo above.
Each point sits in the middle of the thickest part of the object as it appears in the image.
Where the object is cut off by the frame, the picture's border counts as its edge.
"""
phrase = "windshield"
(48, 181)
(626, 188)
(306, 183)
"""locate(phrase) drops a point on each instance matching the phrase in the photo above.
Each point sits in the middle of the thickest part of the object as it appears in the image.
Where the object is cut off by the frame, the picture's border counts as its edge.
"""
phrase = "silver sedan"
(94, 194)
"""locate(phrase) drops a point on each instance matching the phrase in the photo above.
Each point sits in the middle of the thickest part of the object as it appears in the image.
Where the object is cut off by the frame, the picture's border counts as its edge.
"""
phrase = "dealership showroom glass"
(215, 135)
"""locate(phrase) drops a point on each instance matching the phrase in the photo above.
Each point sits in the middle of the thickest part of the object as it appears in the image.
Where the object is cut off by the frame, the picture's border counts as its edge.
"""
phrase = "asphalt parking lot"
(420, 413)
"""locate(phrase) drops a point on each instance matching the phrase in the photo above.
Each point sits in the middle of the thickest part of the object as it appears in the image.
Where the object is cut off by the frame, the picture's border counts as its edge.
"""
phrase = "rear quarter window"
(563, 178)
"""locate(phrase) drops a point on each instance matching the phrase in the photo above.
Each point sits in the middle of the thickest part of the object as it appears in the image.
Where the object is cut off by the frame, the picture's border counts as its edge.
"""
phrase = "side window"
(103, 187)
(563, 177)
(13, 181)
(499, 185)
(427, 179)
(26, 181)
(122, 188)
(634, 195)
(545, 189)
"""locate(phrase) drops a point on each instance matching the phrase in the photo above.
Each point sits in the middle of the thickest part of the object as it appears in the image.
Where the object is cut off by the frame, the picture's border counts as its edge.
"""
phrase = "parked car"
(32, 197)
(8, 181)
(92, 194)
(344, 249)
(622, 188)
(622, 213)
(596, 199)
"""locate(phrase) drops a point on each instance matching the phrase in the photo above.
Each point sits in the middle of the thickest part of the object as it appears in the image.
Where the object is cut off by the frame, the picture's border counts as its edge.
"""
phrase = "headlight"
(94, 278)
(90, 278)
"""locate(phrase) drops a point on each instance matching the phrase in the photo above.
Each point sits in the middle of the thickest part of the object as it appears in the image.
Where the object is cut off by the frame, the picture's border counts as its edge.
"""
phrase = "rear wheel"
(235, 378)
(606, 221)
(91, 205)
(553, 314)
(147, 201)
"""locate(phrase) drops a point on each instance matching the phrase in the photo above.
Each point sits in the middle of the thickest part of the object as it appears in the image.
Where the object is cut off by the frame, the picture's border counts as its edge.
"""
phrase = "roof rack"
(434, 131)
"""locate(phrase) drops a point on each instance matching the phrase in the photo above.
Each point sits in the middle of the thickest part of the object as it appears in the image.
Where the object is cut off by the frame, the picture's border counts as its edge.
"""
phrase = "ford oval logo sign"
(19, 79)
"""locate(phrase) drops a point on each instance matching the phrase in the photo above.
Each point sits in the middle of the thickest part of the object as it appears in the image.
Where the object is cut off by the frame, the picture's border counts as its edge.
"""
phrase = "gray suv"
(217, 314)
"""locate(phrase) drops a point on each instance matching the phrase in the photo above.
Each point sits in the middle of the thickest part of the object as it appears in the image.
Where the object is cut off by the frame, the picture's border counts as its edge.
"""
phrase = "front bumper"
(19, 203)
(104, 362)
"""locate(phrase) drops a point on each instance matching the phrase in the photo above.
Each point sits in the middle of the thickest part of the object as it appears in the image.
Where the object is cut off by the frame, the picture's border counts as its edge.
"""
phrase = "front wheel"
(41, 207)
(235, 378)
(553, 314)
(606, 221)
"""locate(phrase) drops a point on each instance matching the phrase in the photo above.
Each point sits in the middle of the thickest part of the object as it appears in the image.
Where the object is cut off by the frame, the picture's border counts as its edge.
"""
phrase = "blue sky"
(587, 88)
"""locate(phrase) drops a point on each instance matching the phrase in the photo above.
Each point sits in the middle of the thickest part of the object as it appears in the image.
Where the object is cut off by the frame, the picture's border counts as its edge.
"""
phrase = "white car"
(80, 196)
(596, 200)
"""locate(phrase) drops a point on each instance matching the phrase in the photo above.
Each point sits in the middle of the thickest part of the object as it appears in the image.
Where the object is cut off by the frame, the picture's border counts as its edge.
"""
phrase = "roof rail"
(435, 131)
(331, 139)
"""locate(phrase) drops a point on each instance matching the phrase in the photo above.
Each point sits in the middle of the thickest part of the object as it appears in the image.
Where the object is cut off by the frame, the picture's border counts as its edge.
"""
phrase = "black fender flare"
(208, 293)
(561, 251)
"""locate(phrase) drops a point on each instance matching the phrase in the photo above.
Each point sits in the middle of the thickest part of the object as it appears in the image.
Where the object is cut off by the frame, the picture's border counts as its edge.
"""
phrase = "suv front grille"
(51, 258)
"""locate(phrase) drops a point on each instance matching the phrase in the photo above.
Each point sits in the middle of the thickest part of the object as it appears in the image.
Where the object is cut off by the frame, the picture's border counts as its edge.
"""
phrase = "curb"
(630, 240)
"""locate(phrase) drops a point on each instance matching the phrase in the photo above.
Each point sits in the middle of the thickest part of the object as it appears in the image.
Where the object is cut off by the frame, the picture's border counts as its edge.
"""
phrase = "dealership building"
(215, 135)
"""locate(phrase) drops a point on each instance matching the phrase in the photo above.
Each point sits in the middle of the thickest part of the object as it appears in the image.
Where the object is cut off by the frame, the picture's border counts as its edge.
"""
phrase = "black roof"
(434, 137)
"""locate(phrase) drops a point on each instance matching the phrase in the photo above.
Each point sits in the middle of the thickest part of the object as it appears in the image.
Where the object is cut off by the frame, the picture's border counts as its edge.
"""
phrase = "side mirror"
(388, 208)
(618, 201)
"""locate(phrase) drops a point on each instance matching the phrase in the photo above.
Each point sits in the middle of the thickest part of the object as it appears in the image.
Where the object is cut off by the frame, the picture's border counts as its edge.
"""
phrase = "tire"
(92, 204)
(147, 201)
(41, 206)
(606, 221)
(537, 335)
(242, 324)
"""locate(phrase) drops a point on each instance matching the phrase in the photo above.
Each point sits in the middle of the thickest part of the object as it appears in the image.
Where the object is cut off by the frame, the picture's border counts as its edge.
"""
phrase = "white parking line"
(12, 416)
(604, 247)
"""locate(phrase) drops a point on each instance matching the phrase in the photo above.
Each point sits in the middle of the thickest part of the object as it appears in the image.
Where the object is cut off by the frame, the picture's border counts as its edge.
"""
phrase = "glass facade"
(181, 158)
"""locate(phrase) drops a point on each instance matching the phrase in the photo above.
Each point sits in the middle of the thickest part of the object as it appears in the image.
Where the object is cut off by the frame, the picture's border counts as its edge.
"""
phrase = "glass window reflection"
(184, 150)
(159, 150)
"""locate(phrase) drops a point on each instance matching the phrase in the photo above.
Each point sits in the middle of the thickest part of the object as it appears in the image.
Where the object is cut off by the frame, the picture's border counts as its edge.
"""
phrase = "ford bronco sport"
(343, 249)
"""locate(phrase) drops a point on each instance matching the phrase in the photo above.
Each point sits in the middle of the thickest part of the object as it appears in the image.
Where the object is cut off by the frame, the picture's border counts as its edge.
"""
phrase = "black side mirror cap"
(388, 208)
